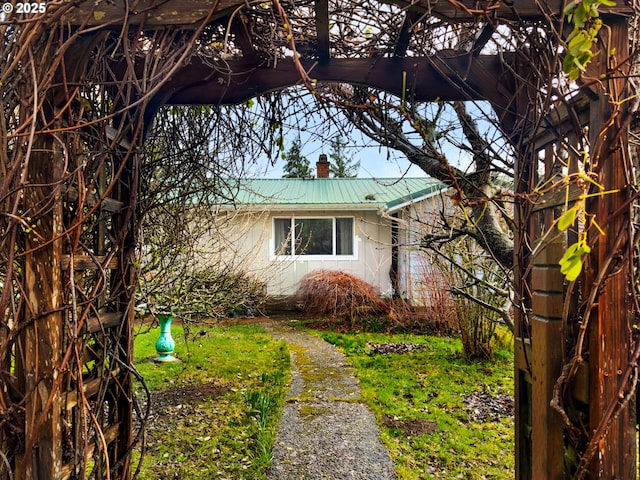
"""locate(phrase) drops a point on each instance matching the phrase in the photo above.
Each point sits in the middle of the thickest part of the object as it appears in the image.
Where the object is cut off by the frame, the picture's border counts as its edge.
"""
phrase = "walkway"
(326, 431)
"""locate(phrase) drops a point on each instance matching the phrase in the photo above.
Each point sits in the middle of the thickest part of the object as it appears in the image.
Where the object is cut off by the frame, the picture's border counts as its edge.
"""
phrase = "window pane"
(282, 236)
(314, 236)
(344, 236)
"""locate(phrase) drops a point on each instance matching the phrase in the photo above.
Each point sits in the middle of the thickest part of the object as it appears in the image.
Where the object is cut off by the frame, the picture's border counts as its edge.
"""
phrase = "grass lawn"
(440, 415)
(215, 413)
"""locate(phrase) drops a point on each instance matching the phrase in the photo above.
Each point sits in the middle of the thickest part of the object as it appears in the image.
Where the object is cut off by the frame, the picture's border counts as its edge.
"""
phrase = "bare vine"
(79, 100)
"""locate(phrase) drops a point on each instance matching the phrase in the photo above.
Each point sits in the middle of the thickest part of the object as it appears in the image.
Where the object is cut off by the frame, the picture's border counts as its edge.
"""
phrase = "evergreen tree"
(297, 165)
(342, 165)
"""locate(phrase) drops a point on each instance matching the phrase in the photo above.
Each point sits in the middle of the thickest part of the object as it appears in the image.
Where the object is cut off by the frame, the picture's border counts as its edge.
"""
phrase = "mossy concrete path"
(326, 430)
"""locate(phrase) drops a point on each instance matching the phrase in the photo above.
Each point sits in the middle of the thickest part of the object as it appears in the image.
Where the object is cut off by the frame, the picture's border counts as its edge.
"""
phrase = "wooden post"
(525, 179)
(609, 335)
(522, 354)
(40, 343)
(547, 284)
(123, 292)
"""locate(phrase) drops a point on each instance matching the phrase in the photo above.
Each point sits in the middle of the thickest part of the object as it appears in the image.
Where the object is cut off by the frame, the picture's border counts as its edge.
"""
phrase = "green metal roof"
(334, 193)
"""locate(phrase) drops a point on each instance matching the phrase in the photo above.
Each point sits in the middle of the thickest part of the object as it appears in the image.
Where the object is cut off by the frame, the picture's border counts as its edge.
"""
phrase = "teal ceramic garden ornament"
(165, 344)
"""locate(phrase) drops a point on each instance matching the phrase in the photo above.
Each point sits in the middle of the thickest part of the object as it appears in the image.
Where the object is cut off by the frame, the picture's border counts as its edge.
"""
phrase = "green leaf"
(580, 43)
(580, 15)
(572, 270)
(568, 10)
(567, 219)
(571, 261)
(572, 71)
(595, 28)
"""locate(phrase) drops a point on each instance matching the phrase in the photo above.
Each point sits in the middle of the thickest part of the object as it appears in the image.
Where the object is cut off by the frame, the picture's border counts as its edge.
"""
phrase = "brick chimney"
(322, 167)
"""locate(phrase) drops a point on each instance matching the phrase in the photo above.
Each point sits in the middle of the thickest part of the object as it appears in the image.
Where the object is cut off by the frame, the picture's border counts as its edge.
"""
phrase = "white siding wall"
(371, 262)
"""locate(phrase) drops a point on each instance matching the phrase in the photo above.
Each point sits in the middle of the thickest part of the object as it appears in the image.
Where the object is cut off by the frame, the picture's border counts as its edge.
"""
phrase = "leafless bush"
(477, 304)
(339, 294)
(208, 293)
(432, 309)
(216, 293)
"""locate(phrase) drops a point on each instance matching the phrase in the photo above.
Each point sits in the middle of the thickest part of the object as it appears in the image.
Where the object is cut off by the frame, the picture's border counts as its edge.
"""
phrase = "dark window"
(313, 236)
(282, 235)
(344, 236)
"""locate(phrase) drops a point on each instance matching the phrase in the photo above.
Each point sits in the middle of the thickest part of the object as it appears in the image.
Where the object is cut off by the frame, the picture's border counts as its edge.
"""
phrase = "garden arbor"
(81, 83)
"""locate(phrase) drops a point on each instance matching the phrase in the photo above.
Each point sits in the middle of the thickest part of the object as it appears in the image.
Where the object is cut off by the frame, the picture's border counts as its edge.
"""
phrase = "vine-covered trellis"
(576, 369)
(81, 82)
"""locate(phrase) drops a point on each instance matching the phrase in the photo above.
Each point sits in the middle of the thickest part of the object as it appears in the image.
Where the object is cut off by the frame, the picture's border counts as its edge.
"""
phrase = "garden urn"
(165, 344)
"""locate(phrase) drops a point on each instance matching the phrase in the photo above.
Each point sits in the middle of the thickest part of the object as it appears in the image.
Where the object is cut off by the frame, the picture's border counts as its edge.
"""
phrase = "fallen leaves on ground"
(484, 407)
(386, 348)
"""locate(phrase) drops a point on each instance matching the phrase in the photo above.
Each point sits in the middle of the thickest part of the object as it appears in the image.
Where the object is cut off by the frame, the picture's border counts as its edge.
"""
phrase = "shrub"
(477, 329)
(477, 300)
(435, 319)
(339, 294)
(431, 309)
(220, 293)
(212, 293)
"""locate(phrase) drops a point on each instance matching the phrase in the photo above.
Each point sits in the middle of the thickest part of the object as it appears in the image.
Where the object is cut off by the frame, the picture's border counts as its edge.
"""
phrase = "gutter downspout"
(395, 249)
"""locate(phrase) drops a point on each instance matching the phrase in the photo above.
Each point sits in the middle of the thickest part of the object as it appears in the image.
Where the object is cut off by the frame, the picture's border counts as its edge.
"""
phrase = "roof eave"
(307, 207)
(412, 201)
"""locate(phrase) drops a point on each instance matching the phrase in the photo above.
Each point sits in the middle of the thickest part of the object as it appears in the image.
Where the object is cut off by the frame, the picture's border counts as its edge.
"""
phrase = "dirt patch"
(183, 397)
(481, 407)
(187, 394)
(415, 427)
(484, 407)
(387, 348)
(177, 406)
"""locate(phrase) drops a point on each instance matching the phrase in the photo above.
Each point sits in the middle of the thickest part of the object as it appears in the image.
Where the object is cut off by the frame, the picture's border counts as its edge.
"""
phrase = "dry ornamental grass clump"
(339, 294)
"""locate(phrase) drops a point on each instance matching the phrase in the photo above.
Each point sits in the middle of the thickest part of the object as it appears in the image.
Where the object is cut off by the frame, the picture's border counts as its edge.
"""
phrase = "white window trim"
(293, 218)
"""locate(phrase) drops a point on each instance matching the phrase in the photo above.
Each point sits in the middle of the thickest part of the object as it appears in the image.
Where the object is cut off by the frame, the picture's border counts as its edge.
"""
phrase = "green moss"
(308, 369)
(313, 410)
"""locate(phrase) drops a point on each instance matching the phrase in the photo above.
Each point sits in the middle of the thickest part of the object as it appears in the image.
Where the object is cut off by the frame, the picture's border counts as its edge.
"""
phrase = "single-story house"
(285, 228)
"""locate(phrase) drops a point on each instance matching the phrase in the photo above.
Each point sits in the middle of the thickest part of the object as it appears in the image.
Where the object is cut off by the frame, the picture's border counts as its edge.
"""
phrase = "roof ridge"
(339, 178)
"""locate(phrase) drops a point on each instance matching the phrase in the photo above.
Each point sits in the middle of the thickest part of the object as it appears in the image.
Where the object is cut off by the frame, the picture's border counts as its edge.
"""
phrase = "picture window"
(323, 236)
